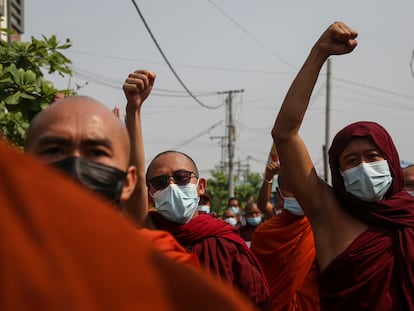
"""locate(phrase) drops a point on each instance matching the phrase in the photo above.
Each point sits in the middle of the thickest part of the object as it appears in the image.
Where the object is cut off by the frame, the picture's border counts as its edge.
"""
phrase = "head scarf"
(395, 211)
(397, 208)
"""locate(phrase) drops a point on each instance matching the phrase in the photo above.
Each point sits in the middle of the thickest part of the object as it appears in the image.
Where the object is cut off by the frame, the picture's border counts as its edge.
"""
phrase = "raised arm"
(272, 169)
(137, 87)
(298, 168)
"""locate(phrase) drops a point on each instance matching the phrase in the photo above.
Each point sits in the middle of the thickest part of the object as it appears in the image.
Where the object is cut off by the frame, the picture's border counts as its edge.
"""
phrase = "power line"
(167, 62)
(251, 35)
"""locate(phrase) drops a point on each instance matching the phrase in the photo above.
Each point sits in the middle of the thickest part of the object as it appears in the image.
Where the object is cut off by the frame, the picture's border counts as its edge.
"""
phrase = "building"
(12, 17)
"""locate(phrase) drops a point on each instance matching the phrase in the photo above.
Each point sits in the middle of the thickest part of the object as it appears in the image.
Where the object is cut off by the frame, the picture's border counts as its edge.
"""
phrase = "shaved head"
(77, 121)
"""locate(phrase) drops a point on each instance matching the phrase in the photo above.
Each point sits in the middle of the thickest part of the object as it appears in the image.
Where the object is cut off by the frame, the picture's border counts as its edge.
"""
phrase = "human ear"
(202, 185)
(130, 183)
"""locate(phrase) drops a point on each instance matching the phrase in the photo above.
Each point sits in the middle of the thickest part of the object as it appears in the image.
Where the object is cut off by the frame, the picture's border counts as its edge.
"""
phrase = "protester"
(263, 200)
(233, 203)
(81, 137)
(174, 186)
(204, 204)
(230, 217)
(408, 171)
(254, 218)
(63, 249)
(285, 249)
(363, 224)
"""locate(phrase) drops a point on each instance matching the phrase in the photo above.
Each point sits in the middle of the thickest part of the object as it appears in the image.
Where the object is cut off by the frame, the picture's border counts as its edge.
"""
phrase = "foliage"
(217, 188)
(24, 91)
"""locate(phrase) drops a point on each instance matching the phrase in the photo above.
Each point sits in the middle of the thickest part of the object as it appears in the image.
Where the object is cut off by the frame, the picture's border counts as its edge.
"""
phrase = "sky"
(220, 46)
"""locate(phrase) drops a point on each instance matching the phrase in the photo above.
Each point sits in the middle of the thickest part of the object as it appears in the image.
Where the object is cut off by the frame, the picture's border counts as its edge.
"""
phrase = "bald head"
(79, 126)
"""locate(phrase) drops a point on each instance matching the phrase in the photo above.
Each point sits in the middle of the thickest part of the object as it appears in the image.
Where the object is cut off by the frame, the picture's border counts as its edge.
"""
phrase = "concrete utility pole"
(231, 137)
(327, 122)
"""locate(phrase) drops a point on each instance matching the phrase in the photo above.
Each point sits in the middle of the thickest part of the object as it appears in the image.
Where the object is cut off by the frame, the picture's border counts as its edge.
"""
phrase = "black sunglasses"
(180, 177)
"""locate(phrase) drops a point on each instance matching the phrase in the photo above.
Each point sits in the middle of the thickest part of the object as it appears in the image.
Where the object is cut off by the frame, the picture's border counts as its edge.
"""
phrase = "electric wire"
(251, 35)
(167, 61)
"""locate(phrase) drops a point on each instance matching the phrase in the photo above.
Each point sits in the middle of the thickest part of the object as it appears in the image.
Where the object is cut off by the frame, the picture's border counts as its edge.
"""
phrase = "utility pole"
(231, 137)
(327, 122)
(222, 147)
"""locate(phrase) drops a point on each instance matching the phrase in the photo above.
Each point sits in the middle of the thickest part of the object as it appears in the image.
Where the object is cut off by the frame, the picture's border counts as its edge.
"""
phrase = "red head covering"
(397, 207)
(395, 213)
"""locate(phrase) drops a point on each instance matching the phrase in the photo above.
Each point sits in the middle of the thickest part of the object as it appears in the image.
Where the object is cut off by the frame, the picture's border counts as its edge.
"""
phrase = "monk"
(82, 138)
(285, 248)
(174, 188)
(63, 249)
(363, 224)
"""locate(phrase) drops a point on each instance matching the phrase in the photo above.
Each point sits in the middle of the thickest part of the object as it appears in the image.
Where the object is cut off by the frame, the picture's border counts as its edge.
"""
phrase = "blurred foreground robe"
(64, 249)
(285, 249)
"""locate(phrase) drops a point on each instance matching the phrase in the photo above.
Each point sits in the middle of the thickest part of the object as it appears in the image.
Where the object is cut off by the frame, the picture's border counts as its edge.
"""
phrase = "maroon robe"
(221, 251)
(376, 271)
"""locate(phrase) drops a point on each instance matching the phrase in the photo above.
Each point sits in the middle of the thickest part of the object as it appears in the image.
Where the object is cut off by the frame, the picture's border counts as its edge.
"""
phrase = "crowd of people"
(86, 225)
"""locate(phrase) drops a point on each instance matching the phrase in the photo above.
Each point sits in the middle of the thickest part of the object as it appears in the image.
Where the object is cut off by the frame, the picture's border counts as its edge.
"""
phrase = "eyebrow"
(59, 140)
(98, 142)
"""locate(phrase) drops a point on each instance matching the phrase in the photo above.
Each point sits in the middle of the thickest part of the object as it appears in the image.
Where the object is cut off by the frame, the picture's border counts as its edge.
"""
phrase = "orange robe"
(62, 248)
(167, 244)
(284, 247)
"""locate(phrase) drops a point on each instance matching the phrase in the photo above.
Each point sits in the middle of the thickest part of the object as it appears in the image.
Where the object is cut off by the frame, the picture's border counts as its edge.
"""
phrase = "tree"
(217, 187)
(24, 91)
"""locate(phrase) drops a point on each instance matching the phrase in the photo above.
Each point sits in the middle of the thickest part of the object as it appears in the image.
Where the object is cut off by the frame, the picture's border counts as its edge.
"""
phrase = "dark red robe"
(376, 272)
(221, 251)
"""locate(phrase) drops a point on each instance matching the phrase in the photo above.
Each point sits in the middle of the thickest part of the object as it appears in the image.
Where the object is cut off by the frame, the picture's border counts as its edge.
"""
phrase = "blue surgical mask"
(177, 203)
(254, 221)
(204, 208)
(368, 181)
(231, 220)
(235, 209)
(292, 205)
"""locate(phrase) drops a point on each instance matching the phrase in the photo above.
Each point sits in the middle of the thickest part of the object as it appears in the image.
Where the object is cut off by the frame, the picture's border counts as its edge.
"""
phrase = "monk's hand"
(272, 169)
(137, 87)
(338, 39)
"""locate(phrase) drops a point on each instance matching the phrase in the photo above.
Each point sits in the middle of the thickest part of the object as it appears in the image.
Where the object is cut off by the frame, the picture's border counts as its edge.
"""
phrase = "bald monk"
(63, 249)
(82, 137)
(285, 248)
(174, 188)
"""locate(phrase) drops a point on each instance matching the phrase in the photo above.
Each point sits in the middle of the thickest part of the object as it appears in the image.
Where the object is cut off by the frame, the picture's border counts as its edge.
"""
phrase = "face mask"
(368, 181)
(411, 193)
(204, 208)
(106, 180)
(177, 203)
(254, 221)
(235, 209)
(231, 220)
(292, 205)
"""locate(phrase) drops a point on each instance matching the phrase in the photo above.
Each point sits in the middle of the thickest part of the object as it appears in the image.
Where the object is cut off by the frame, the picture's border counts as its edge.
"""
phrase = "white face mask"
(411, 193)
(231, 220)
(177, 203)
(235, 209)
(292, 205)
(368, 181)
(204, 208)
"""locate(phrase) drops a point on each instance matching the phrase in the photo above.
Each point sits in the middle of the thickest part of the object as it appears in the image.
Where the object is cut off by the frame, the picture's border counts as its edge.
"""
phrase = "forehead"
(77, 121)
(228, 213)
(170, 162)
(234, 202)
(359, 145)
(253, 208)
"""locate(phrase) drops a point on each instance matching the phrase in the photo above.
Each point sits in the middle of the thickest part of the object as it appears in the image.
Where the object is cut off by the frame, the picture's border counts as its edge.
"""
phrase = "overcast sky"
(217, 46)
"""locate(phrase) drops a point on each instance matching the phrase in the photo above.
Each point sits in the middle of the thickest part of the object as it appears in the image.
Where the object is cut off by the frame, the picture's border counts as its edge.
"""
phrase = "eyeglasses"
(180, 177)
